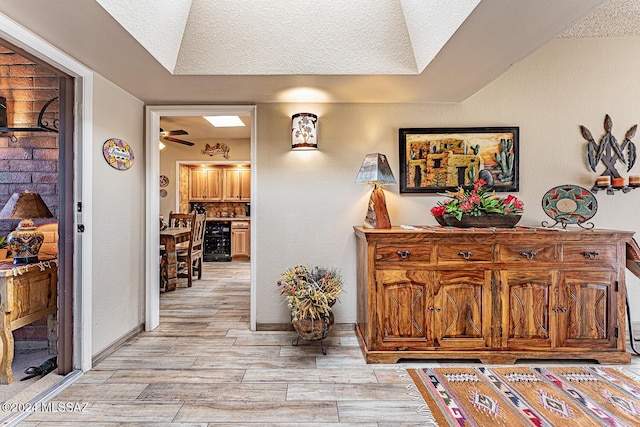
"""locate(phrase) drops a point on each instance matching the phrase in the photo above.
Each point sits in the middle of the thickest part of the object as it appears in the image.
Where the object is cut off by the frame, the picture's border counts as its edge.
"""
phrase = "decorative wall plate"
(118, 153)
(164, 181)
(569, 204)
(163, 192)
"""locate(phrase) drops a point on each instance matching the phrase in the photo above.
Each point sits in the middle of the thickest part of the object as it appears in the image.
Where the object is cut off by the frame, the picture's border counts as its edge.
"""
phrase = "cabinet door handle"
(529, 254)
(560, 309)
(590, 255)
(404, 254)
(466, 255)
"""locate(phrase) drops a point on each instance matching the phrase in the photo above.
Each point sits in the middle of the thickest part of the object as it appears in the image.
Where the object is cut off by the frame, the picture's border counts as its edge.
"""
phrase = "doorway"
(153, 118)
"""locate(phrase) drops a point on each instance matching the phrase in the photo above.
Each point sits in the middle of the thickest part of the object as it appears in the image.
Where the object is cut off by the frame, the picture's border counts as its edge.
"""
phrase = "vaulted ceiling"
(248, 51)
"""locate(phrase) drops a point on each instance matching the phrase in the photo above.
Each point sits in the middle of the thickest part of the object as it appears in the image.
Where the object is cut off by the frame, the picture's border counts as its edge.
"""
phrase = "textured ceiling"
(616, 18)
(242, 51)
(247, 37)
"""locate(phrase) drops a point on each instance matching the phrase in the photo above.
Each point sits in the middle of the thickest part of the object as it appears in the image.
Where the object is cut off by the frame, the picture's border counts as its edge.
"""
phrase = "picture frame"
(435, 160)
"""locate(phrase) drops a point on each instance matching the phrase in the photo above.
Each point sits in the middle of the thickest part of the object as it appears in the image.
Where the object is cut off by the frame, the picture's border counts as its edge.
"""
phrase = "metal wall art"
(433, 160)
(217, 148)
(609, 152)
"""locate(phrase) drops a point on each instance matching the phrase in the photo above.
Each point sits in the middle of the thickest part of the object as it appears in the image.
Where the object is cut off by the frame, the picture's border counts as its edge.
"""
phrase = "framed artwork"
(433, 160)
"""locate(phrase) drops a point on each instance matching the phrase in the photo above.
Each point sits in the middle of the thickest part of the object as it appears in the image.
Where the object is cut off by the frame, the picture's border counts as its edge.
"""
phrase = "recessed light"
(224, 121)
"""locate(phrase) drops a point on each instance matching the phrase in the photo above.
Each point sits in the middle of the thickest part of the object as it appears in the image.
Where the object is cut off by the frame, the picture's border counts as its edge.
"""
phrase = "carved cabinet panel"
(461, 314)
(403, 297)
(526, 300)
(586, 309)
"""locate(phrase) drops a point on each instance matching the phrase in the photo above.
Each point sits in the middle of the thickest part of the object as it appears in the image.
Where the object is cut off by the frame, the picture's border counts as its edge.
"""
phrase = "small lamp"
(375, 170)
(25, 241)
(304, 131)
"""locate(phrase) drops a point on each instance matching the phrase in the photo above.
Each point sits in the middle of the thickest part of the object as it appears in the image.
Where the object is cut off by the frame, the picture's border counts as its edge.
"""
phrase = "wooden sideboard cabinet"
(493, 295)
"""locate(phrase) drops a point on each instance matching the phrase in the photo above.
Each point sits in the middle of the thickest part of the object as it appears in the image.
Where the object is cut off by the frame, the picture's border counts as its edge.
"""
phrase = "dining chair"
(181, 220)
(190, 258)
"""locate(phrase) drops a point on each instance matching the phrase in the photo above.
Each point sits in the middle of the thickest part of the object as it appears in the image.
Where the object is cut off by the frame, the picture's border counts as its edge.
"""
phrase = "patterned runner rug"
(523, 396)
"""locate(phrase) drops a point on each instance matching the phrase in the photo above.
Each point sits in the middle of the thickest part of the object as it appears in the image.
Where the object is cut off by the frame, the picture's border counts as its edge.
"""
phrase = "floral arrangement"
(310, 293)
(476, 202)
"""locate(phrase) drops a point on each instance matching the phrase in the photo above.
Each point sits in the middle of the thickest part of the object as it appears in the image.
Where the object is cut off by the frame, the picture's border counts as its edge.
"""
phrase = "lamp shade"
(25, 206)
(375, 169)
(304, 131)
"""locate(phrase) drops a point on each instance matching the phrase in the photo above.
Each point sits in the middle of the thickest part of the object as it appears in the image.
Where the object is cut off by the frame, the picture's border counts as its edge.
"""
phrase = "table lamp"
(25, 241)
(376, 170)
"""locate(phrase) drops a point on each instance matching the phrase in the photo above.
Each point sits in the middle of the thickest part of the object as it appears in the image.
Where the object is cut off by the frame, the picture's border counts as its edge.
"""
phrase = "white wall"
(307, 202)
(118, 206)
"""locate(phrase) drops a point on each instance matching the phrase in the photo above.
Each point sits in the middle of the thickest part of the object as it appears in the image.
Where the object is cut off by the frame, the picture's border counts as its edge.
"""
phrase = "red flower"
(438, 210)
(475, 199)
(466, 206)
(513, 200)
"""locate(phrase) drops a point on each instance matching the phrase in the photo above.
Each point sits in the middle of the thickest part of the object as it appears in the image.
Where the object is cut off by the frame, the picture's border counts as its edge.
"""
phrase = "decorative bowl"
(483, 221)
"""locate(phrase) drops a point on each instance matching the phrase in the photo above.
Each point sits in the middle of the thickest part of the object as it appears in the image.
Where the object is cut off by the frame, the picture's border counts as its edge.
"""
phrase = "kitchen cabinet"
(205, 185)
(237, 185)
(240, 241)
(497, 295)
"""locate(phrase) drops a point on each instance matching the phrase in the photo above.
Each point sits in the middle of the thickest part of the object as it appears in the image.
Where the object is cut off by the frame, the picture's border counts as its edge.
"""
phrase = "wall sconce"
(375, 170)
(304, 131)
(25, 240)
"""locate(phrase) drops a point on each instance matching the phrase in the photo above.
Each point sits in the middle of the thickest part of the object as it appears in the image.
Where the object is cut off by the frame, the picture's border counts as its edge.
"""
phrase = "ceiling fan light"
(161, 145)
(224, 121)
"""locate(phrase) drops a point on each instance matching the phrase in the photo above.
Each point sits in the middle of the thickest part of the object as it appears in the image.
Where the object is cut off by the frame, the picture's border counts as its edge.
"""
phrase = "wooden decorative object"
(377, 214)
(493, 295)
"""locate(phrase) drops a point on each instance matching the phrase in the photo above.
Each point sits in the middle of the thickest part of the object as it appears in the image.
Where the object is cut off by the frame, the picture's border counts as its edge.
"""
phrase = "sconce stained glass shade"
(304, 131)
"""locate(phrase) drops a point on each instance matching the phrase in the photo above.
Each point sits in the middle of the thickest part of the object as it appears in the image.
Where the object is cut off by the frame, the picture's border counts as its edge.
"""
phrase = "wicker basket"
(314, 329)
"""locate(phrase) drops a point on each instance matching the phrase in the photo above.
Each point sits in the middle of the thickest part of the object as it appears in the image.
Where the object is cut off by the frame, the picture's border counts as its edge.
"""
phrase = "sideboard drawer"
(403, 253)
(589, 253)
(528, 253)
(475, 252)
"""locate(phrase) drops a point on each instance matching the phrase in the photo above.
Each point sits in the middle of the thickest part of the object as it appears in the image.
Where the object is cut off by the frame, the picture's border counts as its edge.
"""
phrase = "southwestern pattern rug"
(524, 396)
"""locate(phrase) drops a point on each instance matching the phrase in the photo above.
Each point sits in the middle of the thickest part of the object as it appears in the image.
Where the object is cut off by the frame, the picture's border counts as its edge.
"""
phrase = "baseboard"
(103, 354)
(288, 327)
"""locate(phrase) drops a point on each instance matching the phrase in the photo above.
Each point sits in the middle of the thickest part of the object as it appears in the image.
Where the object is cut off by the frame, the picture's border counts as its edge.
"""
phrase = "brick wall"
(30, 162)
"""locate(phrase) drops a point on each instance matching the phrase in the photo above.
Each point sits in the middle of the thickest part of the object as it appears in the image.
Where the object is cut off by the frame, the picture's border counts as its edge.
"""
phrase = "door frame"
(152, 132)
(83, 172)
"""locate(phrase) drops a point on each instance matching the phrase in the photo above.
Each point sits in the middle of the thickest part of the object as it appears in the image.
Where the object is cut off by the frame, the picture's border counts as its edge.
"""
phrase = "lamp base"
(377, 215)
(25, 242)
(25, 260)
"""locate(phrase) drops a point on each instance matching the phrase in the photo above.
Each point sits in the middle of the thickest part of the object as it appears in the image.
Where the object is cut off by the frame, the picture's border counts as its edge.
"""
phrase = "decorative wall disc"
(164, 181)
(118, 153)
(163, 192)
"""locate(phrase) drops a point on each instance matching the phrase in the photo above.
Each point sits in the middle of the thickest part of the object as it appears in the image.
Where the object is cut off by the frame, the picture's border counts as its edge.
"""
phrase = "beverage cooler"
(217, 241)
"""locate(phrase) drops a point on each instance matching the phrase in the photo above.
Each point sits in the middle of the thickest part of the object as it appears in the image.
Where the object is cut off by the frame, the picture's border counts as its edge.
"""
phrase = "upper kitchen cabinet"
(237, 185)
(205, 184)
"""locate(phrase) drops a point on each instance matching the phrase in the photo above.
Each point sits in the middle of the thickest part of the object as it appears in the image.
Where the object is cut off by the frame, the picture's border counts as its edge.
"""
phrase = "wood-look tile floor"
(203, 367)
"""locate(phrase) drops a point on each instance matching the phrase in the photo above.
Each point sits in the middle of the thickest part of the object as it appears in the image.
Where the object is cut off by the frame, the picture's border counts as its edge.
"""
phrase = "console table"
(497, 295)
(27, 293)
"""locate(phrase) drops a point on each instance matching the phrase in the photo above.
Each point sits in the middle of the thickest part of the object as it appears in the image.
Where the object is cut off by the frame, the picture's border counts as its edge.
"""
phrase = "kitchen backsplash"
(222, 209)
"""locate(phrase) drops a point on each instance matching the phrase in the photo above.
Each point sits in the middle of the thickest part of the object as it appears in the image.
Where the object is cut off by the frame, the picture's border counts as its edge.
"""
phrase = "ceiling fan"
(168, 134)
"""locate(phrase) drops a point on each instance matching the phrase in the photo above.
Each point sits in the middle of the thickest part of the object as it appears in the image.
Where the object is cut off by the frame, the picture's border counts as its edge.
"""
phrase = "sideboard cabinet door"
(586, 310)
(462, 308)
(527, 297)
(402, 300)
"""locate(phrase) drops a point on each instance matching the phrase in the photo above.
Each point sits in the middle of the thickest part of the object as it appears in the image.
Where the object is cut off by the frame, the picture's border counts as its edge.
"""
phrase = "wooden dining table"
(170, 237)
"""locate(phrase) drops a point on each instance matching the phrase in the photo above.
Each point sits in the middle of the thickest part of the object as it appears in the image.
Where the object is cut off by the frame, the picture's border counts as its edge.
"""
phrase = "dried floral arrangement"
(310, 293)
